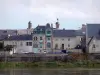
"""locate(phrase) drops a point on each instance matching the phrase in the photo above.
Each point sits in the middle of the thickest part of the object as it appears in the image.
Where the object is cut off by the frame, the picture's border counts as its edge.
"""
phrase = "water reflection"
(49, 72)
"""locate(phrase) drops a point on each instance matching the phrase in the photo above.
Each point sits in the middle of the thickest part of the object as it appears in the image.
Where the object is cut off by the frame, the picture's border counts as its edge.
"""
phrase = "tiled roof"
(64, 33)
(20, 37)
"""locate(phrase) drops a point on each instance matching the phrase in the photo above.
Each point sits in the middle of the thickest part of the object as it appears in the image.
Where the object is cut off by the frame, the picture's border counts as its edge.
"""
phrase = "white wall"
(73, 42)
(18, 47)
(97, 46)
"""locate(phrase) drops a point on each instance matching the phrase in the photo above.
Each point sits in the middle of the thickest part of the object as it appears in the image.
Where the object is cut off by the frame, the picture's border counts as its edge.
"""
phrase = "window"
(56, 46)
(68, 39)
(41, 43)
(62, 39)
(62, 46)
(48, 32)
(48, 45)
(40, 38)
(68, 45)
(48, 38)
(35, 38)
(35, 45)
(28, 43)
(40, 46)
(94, 46)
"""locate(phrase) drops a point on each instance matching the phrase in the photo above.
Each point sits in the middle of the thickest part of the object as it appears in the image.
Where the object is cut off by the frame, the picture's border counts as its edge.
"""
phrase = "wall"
(97, 46)
(59, 40)
(18, 47)
(38, 41)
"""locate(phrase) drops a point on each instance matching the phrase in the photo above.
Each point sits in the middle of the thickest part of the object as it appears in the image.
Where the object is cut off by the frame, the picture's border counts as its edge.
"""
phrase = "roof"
(6, 32)
(41, 27)
(79, 33)
(93, 30)
(24, 31)
(64, 33)
(20, 37)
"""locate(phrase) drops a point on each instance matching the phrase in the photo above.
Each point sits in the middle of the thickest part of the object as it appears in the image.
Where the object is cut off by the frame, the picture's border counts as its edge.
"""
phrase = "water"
(49, 72)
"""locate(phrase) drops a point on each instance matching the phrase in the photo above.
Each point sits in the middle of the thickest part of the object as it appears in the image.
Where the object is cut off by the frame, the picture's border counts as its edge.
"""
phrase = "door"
(62, 46)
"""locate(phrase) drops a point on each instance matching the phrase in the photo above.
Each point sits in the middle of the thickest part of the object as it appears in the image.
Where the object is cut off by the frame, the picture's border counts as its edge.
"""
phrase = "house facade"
(48, 39)
(64, 39)
(93, 38)
(44, 39)
(21, 43)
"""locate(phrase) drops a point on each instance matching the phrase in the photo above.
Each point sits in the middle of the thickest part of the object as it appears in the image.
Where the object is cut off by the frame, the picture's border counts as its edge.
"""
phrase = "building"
(47, 39)
(4, 33)
(65, 39)
(21, 43)
(93, 38)
(44, 39)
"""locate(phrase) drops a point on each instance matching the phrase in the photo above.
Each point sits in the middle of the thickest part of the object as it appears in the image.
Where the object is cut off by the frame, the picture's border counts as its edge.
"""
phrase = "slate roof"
(41, 27)
(64, 33)
(19, 37)
(79, 33)
(93, 30)
(6, 32)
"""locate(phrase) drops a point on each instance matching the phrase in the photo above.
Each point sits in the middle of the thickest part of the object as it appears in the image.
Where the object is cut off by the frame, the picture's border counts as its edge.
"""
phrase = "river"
(49, 72)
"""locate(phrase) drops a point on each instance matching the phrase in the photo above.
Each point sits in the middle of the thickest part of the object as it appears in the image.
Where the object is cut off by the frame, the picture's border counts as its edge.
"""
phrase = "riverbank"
(50, 65)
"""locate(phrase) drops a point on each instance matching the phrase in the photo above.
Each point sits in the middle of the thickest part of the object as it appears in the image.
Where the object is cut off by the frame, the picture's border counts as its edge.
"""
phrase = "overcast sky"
(71, 13)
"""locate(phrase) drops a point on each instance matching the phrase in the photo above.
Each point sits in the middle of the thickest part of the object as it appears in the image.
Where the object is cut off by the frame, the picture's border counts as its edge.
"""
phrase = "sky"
(15, 14)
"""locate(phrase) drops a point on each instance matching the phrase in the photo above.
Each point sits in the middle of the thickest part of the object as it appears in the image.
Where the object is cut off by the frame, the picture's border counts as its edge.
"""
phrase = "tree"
(8, 47)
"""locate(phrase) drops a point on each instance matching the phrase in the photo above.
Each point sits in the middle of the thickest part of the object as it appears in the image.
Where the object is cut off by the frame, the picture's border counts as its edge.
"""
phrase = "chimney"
(83, 28)
(29, 25)
(57, 24)
(51, 25)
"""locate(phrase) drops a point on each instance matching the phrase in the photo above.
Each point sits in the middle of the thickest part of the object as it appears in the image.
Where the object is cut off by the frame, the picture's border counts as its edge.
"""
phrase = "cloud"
(66, 8)
(20, 11)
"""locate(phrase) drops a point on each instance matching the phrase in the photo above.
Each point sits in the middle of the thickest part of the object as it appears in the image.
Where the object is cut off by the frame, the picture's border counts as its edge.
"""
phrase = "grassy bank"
(78, 64)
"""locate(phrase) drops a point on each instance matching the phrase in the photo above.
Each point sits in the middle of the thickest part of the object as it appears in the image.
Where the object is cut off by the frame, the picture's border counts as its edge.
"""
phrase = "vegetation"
(8, 47)
(77, 64)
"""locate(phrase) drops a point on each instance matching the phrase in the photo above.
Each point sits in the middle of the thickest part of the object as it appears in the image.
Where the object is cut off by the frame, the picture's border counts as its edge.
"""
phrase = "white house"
(93, 38)
(65, 39)
(22, 43)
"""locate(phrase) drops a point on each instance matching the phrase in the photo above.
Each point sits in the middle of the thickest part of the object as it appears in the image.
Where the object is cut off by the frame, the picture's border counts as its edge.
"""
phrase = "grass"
(58, 64)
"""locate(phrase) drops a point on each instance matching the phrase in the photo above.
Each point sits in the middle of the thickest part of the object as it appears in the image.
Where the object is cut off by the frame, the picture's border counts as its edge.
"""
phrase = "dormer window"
(40, 29)
(48, 32)
(94, 46)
